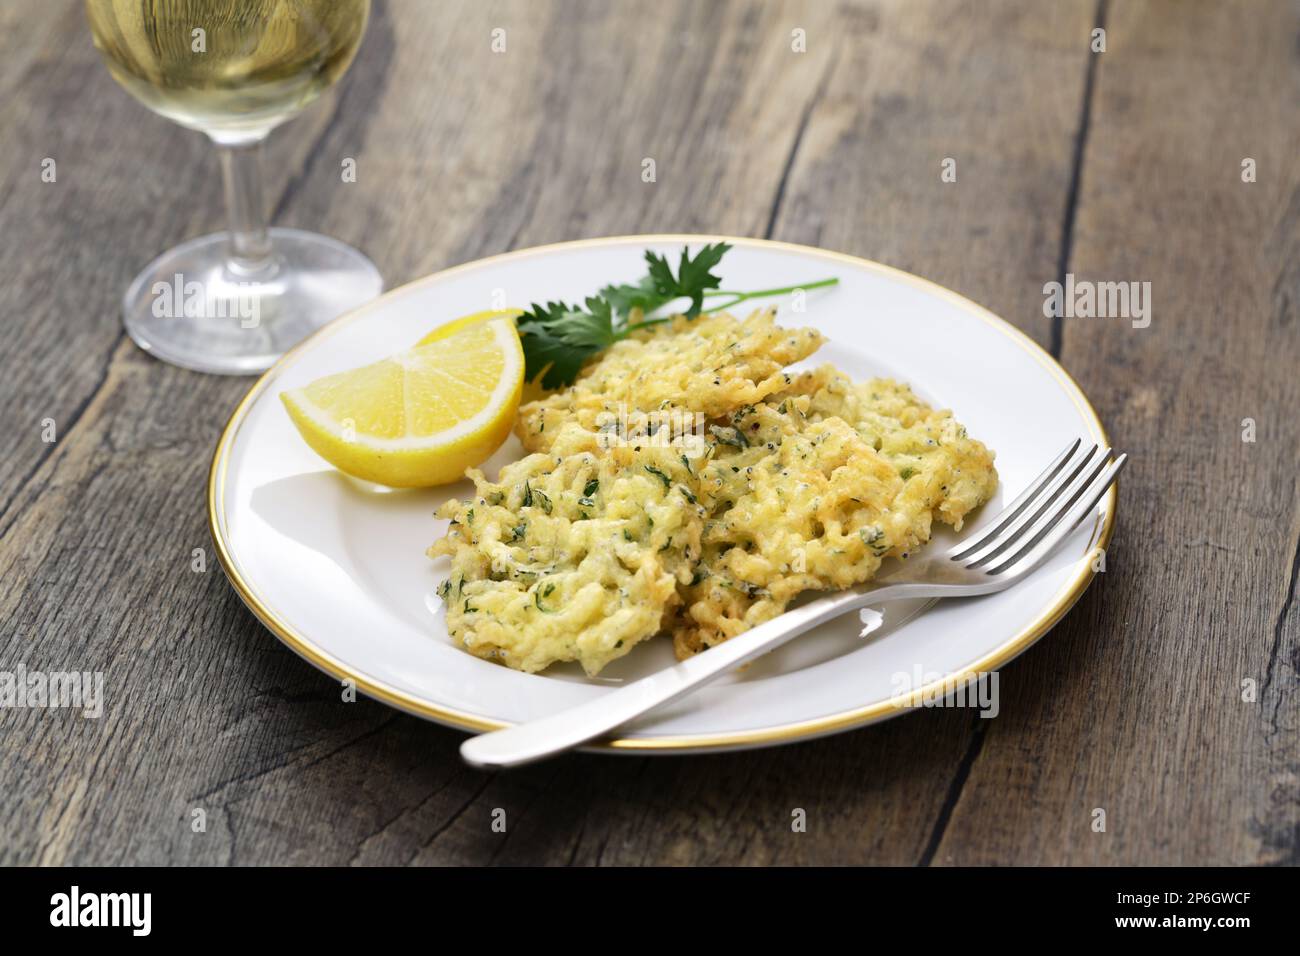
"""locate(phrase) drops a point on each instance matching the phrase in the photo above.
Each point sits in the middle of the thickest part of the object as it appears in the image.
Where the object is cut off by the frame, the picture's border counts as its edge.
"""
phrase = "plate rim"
(697, 743)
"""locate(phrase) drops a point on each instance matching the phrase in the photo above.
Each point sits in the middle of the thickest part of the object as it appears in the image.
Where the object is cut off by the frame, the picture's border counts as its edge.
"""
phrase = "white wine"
(231, 68)
(235, 69)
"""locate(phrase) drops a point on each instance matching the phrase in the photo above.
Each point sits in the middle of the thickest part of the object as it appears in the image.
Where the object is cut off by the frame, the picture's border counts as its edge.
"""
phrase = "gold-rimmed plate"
(337, 570)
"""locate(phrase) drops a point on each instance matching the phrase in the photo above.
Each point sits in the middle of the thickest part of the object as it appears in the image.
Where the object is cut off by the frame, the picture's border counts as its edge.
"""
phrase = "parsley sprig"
(558, 338)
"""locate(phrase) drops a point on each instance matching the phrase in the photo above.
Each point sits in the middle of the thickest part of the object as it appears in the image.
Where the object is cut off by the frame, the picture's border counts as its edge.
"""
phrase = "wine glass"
(233, 302)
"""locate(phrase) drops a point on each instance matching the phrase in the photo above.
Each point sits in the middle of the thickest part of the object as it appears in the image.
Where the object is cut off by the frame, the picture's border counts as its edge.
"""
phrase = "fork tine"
(1063, 521)
(1064, 492)
(1065, 483)
(1013, 510)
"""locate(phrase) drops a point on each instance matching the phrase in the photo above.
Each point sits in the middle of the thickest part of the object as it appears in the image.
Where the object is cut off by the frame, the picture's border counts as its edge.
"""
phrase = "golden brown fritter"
(803, 499)
(688, 483)
(710, 365)
(568, 557)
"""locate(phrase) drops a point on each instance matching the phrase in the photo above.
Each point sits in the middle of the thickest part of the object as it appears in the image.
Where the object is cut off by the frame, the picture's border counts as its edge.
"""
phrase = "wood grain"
(1135, 705)
(1123, 165)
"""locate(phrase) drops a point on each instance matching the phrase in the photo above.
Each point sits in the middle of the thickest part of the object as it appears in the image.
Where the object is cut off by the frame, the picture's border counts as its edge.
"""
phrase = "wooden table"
(1113, 166)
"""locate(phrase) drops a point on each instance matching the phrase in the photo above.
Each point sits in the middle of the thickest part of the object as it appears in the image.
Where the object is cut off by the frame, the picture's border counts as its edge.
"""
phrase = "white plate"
(338, 571)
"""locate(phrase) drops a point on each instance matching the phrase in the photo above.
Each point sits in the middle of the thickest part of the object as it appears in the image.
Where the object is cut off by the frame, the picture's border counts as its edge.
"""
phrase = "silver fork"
(1016, 542)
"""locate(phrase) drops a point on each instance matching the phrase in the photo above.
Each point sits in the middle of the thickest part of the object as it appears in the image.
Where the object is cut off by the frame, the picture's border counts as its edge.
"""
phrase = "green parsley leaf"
(593, 327)
(693, 276)
(660, 286)
(643, 295)
(558, 338)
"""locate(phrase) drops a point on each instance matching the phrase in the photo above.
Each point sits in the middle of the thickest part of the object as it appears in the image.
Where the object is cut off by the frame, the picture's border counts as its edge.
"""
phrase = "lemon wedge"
(474, 318)
(533, 390)
(420, 417)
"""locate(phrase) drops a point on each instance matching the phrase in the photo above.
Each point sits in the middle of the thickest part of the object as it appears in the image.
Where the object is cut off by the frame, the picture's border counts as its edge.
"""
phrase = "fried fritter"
(813, 489)
(710, 365)
(575, 556)
(688, 483)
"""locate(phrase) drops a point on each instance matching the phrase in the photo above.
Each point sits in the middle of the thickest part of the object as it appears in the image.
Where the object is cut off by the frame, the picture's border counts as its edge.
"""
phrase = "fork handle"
(524, 743)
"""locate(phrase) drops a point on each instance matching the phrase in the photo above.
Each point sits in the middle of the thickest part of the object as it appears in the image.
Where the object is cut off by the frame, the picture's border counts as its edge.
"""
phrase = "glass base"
(194, 307)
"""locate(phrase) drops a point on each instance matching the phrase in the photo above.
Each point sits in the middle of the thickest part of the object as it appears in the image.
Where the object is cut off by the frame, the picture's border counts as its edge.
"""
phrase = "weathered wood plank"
(100, 526)
(997, 89)
(24, 38)
(127, 186)
(462, 152)
(1135, 704)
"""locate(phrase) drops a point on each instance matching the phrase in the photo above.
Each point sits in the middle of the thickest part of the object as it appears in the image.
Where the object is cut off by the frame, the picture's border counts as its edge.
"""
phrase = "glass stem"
(250, 254)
